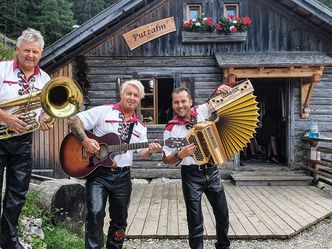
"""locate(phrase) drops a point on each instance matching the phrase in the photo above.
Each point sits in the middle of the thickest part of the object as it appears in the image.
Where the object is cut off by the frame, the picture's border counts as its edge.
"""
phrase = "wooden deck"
(157, 210)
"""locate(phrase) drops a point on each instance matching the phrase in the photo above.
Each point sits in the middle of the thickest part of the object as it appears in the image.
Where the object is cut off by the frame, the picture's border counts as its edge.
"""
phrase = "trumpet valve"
(33, 126)
(27, 115)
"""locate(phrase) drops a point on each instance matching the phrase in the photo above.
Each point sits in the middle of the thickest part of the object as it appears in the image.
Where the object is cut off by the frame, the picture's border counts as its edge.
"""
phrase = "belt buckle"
(202, 167)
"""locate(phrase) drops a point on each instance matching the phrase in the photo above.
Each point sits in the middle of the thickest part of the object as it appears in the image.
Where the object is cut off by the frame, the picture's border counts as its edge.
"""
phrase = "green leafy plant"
(230, 24)
(6, 52)
(67, 234)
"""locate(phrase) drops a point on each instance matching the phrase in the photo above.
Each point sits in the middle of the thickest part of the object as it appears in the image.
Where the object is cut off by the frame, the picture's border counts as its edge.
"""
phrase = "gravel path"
(316, 237)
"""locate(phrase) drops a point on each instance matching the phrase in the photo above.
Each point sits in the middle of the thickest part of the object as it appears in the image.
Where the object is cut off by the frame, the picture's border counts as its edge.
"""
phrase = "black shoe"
(274, 160)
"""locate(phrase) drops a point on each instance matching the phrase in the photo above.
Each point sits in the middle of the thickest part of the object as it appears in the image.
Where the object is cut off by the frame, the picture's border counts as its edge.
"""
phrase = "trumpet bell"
(61, 97)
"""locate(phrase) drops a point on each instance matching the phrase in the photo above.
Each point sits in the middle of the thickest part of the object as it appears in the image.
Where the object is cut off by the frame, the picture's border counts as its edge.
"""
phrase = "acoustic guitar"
(77, 162)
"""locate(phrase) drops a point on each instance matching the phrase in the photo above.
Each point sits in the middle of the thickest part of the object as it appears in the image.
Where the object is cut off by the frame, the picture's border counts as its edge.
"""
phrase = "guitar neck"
(133, 146)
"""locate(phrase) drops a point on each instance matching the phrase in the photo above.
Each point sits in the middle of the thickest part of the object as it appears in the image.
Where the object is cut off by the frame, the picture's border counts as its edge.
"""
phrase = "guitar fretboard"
(133, 146)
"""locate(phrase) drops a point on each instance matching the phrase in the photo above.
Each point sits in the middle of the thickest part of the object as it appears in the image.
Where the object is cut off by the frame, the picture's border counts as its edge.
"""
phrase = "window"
(231, 10)
(148, 102)
(193, 11)
(156, 107)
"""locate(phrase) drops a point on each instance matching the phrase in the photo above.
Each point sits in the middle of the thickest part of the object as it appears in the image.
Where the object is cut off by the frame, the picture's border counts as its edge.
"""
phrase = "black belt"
(203, 167)
(23, 137)
(120, 169)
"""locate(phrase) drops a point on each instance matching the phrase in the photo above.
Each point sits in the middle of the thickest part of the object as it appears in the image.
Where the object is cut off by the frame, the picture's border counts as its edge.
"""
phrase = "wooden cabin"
(286, 54)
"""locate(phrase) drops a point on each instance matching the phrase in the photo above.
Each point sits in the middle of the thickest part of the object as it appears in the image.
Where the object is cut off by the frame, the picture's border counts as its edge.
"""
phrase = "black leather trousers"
(115, 185)
(16, 157)
(195, 182)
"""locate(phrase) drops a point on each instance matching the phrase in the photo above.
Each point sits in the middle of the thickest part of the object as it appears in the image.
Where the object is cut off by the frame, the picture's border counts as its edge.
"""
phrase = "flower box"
(213, 37)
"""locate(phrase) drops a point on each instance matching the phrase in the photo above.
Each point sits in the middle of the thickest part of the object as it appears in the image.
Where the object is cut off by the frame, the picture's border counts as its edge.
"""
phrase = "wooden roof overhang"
(306, 65)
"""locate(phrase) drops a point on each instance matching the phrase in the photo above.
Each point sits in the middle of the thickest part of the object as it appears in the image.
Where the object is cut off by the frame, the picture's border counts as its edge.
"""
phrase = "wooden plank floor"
(157, 210)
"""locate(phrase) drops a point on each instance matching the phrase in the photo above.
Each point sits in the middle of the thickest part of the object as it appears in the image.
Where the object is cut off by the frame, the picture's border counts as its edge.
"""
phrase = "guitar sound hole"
(103, 152)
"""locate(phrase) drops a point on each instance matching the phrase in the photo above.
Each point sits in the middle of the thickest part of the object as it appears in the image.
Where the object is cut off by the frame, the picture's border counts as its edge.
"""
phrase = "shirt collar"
(117, 106)
(180, 120)
(16, 65)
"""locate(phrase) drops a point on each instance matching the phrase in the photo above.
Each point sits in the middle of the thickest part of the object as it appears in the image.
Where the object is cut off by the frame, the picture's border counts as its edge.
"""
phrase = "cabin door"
(269, 143)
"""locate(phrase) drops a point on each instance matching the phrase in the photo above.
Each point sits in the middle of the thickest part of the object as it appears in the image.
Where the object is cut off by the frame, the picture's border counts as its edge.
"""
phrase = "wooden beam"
(291, 68)
(231, 78)
(304, 96)
(276, 72)
(307, 89)
(305, 71)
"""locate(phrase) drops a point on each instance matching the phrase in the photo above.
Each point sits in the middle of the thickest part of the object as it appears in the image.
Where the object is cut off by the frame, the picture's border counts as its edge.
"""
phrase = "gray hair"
(135, 83)
(31, 35)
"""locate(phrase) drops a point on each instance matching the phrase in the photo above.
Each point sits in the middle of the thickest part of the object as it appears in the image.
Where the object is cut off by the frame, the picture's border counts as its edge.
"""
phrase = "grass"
(66, 235)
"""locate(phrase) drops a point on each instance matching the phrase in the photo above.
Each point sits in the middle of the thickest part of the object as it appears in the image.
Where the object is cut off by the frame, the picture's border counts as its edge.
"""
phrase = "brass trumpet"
(61, 97)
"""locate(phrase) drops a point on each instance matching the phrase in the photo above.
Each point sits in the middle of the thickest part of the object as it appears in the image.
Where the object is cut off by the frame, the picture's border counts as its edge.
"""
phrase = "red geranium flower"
(230, 24)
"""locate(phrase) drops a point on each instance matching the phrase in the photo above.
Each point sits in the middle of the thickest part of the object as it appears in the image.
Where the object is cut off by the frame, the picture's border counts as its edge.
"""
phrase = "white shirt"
(179, 130)
(10, 81)
(105, 119)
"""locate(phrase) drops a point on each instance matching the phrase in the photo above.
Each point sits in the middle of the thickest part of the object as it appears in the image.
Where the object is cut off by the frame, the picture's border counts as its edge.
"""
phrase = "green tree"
(13, 17)
(328, 3)
(86, 9)
(34, 19)
(57, 19)
(17, 15)
(109, 3)
(6, 52)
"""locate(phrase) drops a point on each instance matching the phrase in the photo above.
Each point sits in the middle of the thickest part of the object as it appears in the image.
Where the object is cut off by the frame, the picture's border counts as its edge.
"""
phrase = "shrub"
(6, 52)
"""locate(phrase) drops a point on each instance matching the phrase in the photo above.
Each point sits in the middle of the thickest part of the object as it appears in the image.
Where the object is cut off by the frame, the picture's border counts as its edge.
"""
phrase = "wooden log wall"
(274, 29)
(46, 145)
(321, 111)
(103, 74)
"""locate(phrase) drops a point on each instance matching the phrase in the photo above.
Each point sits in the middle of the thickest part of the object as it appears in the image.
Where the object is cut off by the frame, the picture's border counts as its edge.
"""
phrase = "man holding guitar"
(112, 181)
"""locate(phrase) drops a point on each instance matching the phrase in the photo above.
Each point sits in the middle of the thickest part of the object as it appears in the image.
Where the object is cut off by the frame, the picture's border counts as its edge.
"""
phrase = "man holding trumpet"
(18, 77)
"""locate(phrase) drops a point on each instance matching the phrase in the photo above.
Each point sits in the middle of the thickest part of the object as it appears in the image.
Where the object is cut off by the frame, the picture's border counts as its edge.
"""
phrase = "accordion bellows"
(234, 124)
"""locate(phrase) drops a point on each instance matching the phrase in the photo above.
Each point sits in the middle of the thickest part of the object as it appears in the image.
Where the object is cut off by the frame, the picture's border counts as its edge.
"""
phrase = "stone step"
(271, 179)
(267, 171)
(261, 167)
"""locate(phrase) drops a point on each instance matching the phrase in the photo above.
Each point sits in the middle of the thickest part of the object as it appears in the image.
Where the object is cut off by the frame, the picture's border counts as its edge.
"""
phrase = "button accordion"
(233, 123)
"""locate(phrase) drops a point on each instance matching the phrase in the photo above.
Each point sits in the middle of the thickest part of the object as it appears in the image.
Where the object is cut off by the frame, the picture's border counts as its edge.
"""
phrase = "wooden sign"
(146, 33)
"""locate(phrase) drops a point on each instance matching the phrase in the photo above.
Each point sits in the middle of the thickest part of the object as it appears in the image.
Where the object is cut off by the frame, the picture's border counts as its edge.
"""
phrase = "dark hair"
(181, 89)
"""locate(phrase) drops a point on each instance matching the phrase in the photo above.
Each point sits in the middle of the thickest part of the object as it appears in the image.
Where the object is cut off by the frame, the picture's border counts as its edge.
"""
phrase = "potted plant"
(205, 30)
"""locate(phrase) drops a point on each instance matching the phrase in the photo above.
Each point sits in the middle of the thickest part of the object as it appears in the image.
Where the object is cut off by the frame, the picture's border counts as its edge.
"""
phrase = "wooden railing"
(320, 163)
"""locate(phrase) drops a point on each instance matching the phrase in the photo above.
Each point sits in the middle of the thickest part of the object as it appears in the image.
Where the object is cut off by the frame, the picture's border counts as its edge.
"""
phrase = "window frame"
(155, 101)
(236, 5)
(187, 10)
